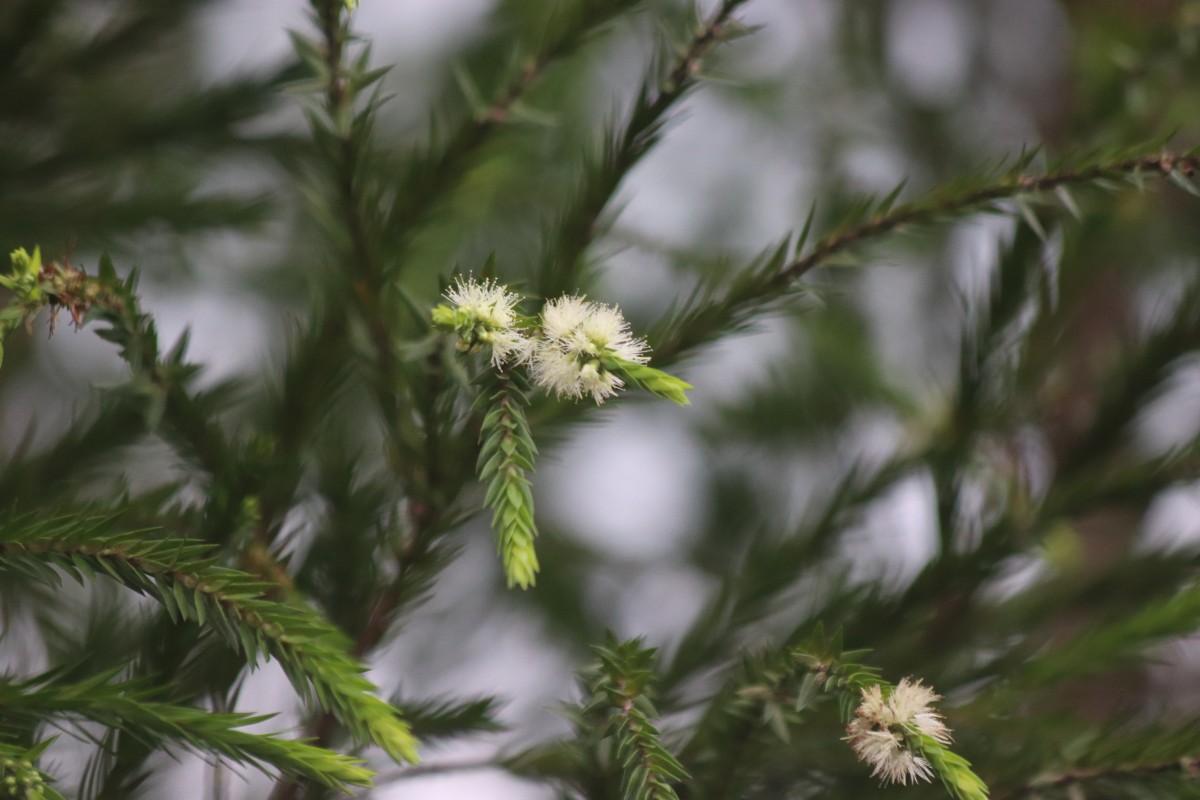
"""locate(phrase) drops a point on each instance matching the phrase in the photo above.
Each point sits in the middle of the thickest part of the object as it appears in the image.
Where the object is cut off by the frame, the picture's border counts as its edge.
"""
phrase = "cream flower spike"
(580, 340)
(484, 313)
(877, 732)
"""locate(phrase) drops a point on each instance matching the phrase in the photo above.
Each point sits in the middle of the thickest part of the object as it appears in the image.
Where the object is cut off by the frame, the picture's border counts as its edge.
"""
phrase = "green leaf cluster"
(506, 456)
(618, 690)
(965, 461)
(131, 706)
(194, 588)
(655, 381)
(19, 778)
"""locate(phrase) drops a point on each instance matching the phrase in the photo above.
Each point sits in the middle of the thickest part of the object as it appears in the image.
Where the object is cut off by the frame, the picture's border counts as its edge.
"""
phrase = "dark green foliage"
(443, 719)
(579, 223)
(132, 707)
(618, 700)
(964, 464)
(88, 118)
(237, 606)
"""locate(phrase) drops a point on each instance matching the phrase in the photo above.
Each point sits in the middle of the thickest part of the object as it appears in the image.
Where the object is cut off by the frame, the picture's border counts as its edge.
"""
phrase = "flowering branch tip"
(576, 348)
(886, 731)
(484, 316)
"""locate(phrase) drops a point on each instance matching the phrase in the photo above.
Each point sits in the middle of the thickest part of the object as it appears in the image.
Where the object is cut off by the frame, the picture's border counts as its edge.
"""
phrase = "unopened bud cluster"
(35, 283)
(21, 779)
(886, 728)
(576, 348)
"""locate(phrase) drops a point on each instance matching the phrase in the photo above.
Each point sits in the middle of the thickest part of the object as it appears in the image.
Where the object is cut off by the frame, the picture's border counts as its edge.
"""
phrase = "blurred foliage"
(945, 404)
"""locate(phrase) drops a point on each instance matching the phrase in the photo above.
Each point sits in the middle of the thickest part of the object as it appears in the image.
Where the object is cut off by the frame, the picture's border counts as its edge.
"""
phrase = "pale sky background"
(647, 454)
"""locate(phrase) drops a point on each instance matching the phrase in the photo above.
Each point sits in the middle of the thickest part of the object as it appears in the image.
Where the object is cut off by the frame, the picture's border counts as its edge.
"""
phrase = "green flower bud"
(445, 317)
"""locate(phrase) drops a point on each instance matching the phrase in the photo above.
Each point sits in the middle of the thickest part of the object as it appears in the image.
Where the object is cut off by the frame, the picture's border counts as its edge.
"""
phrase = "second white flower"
(577, 336)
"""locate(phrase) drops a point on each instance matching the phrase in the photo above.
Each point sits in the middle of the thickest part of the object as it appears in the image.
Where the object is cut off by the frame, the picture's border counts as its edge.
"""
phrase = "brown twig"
(764, 288)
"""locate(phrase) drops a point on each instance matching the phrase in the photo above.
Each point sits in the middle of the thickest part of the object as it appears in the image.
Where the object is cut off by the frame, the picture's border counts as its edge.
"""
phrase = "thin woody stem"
(424, 187)
(753, 294)
(1189, 766)
(917, 213)
(582, 222)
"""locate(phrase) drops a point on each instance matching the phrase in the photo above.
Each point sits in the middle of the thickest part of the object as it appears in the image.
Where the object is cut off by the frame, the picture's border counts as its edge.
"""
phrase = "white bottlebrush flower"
(563, 374)
(484, 313)
(598, 382)
(890, 760)
(563, 316)
(877, 734)
(488, 302)
(577, 335)
(509, 347)
(912, 704)
(591, 330)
